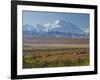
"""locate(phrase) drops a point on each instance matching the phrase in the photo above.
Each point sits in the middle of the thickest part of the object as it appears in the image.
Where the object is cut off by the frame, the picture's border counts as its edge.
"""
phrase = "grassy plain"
(51, 54)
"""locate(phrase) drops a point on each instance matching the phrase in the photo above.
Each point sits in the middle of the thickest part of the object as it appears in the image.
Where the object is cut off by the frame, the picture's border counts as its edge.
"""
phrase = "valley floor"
(72, 53)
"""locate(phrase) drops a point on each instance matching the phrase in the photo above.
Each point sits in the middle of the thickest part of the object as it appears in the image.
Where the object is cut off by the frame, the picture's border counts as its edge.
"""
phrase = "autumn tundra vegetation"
(56, 55)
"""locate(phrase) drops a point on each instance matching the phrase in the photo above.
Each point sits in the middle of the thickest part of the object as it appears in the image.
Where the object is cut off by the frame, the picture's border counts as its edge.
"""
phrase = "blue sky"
(37, 17)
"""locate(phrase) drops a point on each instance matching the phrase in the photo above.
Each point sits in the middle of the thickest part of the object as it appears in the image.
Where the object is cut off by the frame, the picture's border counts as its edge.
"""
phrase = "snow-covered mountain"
(87, 30)
(58, 28)
(28, 27)
(62, 26)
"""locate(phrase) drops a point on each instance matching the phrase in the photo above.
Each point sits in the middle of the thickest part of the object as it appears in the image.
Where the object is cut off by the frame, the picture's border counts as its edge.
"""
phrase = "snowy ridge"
(57, 28)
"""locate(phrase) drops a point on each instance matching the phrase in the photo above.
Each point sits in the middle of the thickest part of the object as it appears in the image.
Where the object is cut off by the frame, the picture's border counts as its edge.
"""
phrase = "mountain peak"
(54, 28)
(28, 27)
(58, 21)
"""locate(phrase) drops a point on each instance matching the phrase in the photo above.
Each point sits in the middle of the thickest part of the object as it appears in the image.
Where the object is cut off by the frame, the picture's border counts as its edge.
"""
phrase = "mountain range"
(57, 28)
